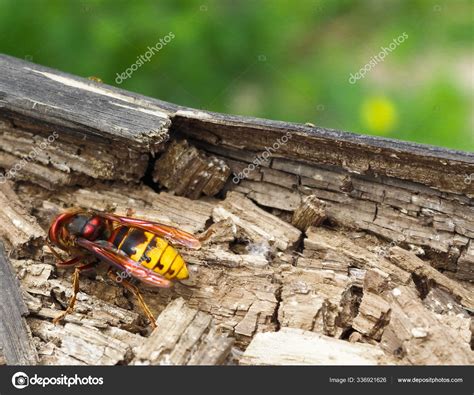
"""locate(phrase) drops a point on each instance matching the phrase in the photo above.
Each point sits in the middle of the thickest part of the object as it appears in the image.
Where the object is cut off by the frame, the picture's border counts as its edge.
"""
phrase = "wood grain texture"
(357, 154)
(309, 212)
(297, 347)
(190, 172)
(419, 336)
(440, 223)
(16, 342)
(412, 264)
(80, 106)
(184, 336)
(19, 230)
(258, 226)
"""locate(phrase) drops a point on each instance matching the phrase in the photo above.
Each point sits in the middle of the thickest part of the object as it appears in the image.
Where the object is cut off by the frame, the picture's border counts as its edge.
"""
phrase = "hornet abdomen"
(151, 251)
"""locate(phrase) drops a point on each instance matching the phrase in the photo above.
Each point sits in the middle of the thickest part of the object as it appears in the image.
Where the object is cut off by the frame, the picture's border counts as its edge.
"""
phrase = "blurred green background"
(287, 60)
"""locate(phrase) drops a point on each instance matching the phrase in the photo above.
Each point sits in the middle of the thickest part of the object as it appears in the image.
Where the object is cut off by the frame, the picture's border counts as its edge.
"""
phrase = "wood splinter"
(311, 212)
(190, 172)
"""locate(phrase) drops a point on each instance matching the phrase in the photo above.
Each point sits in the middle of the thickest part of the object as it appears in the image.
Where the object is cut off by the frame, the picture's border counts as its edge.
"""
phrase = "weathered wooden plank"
(314, 299)
(55, 157)
(184, 336)
(16, 342)
(35, 92)
(412, 264)
(420, 337)
(357, 153)
(259, 226)
(74, 344)
(298, 347)
(76, 106)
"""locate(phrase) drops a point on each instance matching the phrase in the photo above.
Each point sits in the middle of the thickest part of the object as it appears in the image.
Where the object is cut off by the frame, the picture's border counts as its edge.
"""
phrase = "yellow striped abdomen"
(151, 251)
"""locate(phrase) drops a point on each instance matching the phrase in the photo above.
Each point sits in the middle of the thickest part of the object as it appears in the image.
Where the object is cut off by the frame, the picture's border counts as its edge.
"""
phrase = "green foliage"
(288, 60)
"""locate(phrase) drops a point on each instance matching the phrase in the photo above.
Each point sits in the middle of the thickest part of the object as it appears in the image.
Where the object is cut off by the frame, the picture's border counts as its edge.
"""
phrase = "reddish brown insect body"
(133, 247)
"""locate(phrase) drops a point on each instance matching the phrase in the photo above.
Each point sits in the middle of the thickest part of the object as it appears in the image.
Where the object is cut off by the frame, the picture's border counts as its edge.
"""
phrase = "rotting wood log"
(418, 336)
(401, 191)
(75, 344)
(298, 347)
(314, 300)
(80, 107)
(259, 226)
(256, 272)
(184, 336)
(331, 248)
(412, 264)
(354, 153)
(19, 229)
(16, 343)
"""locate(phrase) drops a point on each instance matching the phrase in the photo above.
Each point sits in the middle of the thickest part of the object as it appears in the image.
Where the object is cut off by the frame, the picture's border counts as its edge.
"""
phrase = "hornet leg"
(70, 262)
(75, 290)
(134, 290)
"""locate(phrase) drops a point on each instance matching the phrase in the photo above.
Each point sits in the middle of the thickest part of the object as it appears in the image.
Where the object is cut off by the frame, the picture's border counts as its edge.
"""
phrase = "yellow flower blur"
(379, 115)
